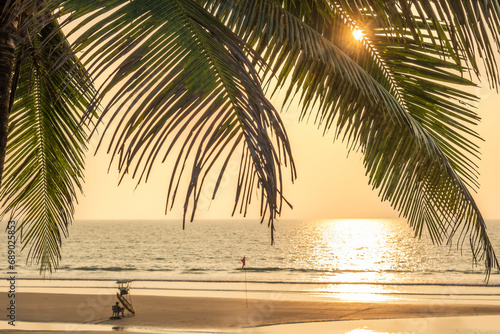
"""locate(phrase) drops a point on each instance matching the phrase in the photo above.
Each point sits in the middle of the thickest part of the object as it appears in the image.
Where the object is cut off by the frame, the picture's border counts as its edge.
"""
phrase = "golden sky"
(329, 184)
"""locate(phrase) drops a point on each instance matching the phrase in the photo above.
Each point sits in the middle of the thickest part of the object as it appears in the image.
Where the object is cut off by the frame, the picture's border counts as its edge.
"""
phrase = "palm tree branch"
(44, 165)
(402, 159)
(182, 78)
(467, 31)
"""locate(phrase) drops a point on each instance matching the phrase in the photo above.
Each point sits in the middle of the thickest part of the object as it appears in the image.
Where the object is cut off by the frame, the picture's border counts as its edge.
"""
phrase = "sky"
(330, 184)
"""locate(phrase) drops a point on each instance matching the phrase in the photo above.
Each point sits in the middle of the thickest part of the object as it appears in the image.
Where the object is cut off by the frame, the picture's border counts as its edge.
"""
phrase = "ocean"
(321, 252)
(347, 260)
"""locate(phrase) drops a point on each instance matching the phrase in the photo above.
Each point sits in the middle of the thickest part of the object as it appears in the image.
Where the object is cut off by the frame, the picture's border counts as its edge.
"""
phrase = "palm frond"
(46, 148)
(183, 83)
(467, 31)
(414, 138)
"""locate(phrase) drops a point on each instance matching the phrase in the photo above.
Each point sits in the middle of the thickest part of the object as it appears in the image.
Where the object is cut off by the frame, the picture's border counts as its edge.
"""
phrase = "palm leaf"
(45, 151)
(416, 140)
(466, 31)
(183, 83)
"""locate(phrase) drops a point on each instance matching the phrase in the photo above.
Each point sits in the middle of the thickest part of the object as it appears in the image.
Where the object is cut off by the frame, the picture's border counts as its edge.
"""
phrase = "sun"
(358, 34)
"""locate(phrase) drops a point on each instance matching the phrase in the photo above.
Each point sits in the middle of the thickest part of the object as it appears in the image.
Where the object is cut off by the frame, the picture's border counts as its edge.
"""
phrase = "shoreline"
(271, 282)
(345, 292)
(190, 313)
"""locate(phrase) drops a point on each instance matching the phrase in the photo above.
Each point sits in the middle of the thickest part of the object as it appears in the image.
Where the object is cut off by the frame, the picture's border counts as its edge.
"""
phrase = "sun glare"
(358, 34)
(359, 251)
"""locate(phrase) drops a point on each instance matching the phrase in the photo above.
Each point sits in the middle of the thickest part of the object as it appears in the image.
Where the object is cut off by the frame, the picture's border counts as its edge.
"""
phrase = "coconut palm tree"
(185, 78)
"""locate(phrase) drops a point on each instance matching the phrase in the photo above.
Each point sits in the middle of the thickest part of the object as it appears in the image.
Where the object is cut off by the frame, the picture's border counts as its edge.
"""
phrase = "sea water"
(348, 260)
(344, 256)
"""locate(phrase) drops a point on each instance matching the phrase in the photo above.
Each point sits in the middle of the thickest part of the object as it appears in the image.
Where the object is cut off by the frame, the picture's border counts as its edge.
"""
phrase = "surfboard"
(125, 303)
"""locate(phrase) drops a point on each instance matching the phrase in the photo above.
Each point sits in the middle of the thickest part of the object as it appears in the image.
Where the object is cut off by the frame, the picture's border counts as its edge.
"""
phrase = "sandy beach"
(203, 313)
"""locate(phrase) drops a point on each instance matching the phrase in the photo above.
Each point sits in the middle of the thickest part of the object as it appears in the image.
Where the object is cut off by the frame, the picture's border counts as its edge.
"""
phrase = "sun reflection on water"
(359, 292)
(361, 331)
(362, 251)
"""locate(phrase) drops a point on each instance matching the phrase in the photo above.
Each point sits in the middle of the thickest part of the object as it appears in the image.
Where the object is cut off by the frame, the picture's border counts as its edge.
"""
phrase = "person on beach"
(116, 310)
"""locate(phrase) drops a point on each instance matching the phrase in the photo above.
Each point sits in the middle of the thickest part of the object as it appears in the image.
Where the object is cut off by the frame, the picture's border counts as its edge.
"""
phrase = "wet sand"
(205, 313)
